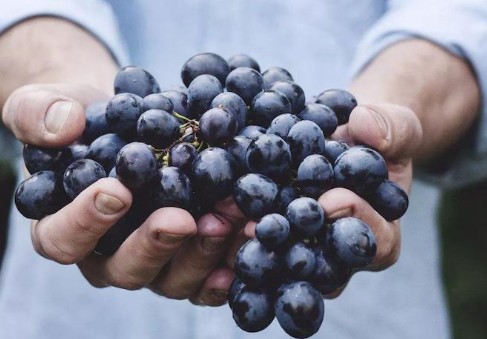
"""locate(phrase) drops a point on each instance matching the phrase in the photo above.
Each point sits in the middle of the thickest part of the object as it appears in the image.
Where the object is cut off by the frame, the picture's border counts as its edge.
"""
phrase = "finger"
(200, 255)
(214, 291)
(49, 115)
(340, 202)
(71, 233)
(144, 253)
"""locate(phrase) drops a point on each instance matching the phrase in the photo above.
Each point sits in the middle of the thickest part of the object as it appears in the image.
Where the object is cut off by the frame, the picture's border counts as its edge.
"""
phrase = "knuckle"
(125, 281)
(58, 251)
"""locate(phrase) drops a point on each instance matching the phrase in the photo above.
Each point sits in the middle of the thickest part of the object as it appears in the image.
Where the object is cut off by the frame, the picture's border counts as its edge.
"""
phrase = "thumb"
(394, 131)
(49, 115)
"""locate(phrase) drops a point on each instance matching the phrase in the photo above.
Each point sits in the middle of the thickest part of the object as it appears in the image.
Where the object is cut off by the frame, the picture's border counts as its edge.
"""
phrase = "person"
(416, 70)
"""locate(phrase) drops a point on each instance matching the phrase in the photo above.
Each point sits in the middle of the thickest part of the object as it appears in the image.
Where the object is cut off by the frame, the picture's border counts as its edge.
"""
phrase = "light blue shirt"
(323, 43)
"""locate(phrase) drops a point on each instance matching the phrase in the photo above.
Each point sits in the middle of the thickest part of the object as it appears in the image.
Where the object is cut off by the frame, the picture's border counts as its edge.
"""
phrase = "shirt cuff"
(94, 16)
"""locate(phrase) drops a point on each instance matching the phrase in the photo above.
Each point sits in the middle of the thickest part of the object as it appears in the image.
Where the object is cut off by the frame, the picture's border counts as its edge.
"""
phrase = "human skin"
(171, 253)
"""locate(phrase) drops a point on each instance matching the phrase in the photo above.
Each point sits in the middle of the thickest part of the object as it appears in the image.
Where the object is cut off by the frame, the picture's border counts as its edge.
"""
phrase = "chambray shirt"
(323, 44)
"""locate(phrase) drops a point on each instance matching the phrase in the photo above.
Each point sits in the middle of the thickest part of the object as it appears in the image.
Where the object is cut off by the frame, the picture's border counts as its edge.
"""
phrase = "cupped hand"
(169, 253)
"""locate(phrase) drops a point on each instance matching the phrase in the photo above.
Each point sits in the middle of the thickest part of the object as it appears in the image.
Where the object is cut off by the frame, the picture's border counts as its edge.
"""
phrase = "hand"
(169, 253)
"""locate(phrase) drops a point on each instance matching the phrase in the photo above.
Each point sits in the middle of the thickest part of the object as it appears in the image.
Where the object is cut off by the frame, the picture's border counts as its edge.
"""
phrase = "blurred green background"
(463, 224)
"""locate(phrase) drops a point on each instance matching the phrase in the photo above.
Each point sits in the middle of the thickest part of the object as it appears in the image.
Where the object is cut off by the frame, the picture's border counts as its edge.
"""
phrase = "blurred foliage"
(463, 226)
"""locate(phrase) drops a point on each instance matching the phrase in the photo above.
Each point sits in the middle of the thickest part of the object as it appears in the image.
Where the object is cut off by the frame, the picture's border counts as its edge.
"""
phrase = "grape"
(123, 111)
(281, 124)
(96, 123)
(305, 138)
(333, 148)
(78, 151)
(135, 80)
(328, 274)
(157, 101)
(252, 131)
(253, 310)
(136, 165)
(235, 287)
(389, 200)
(268, 105)
(104, 150)
(360, 169)
(255, 195)
(315, 176)
(352, 241)
(179, 101)
(80, 174)
(204, 63)
(45, 159)
(299, 309)
(340, 101)
(242, 60)
(157, 128)
(201, 92)
(40, 195)
(245, 82)
(173, 189)
(286, 194)
(234, 104)
(273, 74)
(300, 261)
(237, 147)
(322, 115)
(293, 92)
(183, 155)
(306, 217)
(272, 231)
(217, 126)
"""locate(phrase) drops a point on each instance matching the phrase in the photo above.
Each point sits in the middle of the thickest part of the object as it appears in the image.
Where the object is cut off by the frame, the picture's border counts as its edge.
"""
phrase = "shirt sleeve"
(95, 16)
(459, 26)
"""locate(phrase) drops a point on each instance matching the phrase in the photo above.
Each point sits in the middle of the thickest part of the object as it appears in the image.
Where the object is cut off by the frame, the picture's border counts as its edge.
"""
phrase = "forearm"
(440, 88)
(47, 49)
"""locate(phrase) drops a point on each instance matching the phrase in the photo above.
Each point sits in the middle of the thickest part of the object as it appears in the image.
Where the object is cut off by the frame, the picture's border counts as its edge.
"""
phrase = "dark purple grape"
(269, 154)
(217, 126)
(389, 200)
(286, 194)
(204, 63)
(180, 102)
(214, 173)
(40, 195)
(282, 124)
(173, 188)
(81, 174)
(293, 92)
(305, 138)
(300, 261)
(135, 80)
(256, 266)
(333, 148)
(157, 101)
(253, 310)
(315, 176)
(252, 131)
(245, 82)
(104, 150)
(183, 155)
(242, 60)
(237, 147)
(322, 115)
(235, 288)
(272, 231)
(273, 74)
(340, 101)
(268, 105)
(158, 128)
(299, 309)
(234, 104)
(136, 165)
(352, 241)
(329, 274)
(78, 151)
(38, 159)
(255, 195)
(201, 92)
(360, 169)
(96, 122)
(306, 217)
(123, 111)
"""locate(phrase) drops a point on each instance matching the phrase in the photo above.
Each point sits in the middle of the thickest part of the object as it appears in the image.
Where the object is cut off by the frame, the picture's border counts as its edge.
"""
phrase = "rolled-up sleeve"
(95, 16)
(459, 26)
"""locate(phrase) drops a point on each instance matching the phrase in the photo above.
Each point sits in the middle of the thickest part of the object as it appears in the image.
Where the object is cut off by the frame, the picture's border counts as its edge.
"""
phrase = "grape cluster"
(230, 130)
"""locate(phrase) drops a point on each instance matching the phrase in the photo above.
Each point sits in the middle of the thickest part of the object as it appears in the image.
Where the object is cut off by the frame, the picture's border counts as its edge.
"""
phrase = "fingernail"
(346, 212)
(57, 115)
(213, 243)
(381, 122)
(169, 239)
(107, 204)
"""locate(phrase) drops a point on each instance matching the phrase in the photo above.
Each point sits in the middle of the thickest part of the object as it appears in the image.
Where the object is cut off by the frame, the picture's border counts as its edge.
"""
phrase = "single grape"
(268, 105)
(245, 82)
(300, 261)
(237, 147)
(281, 124)
(201, 92)
(157, 101)
(352, 241)
(204, 63)
(333, 148)
(123, 111)
(173, 189)
(272, 231)
(135, 80)
(322, 115)
(235, 288)
(255, 195)
(180, 102)
(305, 138)
(217, 126)
(234, 104)
(81, 174)
(273, 74)
(315, 176)
(306, 217)
(96, 123)
(340, 101)
(293, 92)
(253, 309)
(157, 128)
(183, 155)
(252, 131)
(329, 274)
(104, 150)
(242, 60)
(389, 200)
(286, 194)
(38, 159)
(136, 165)
(78, 151)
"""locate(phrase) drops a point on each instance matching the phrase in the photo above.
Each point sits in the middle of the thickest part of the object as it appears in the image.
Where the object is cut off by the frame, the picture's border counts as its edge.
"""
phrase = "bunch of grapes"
(230, 130)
